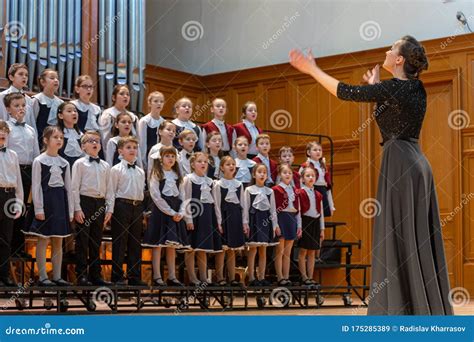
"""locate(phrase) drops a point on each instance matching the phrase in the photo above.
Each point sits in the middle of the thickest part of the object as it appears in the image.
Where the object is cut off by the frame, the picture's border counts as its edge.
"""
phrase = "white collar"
(150, 118)
(285, 187)
(255, 190)
(50, 161)
(85, 107)
(244, 162)
(126, 163)
(184, 123)
(262, 158)
(218, 122)
(46, 100)
(306, 188)
(170, 175)
(248, 123)
(229, 183)
(199, 180)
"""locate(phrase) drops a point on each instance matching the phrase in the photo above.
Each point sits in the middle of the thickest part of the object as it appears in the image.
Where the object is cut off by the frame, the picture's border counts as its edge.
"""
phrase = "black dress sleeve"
(378, 92)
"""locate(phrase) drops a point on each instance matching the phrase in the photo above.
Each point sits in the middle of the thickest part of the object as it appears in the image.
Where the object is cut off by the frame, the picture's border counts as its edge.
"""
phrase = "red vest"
(212, 127)
(281, 198)
(273, 167)
(327, 175)
(305, 203)
(242, 130)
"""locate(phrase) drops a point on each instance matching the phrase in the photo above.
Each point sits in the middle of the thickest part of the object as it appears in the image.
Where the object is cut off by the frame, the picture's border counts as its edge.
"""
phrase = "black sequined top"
(400, 109)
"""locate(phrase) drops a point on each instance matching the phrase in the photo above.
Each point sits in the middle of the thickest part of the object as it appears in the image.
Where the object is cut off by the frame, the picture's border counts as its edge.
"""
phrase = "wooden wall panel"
(449, 83)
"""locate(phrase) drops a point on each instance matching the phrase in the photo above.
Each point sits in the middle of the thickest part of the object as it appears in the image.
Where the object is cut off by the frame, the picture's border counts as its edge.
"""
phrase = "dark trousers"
(6, 230)
(126, 237)
(89, 237)
(18, 238)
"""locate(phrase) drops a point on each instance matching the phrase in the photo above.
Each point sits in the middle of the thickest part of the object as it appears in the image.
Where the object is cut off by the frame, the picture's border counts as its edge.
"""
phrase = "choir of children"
(202, 204)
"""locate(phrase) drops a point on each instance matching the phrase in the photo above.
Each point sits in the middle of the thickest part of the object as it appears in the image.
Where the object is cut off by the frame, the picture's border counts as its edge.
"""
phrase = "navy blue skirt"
(234, 237)
(162, 231)
(56, 212)
(288, 225)
(205, 236)
(261, 228)
(324, 192)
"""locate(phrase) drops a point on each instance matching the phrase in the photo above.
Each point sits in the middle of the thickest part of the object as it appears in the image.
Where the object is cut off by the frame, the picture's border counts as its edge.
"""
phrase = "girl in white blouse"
(260, 223)
(228, 193)
(200, 217)
(53, 204)
(166, 227)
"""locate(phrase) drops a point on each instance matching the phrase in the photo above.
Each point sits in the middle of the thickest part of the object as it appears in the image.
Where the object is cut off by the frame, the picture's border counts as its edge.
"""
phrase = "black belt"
(413, 140)
(97, 199)
(7, 190)
(129, 201)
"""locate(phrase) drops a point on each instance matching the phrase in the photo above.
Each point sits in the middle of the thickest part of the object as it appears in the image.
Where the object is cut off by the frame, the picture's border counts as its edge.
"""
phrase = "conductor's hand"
(302, 62)
(372, 76)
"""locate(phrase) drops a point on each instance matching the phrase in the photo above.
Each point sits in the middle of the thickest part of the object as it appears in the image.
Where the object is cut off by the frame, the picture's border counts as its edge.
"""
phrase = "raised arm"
(375, 91)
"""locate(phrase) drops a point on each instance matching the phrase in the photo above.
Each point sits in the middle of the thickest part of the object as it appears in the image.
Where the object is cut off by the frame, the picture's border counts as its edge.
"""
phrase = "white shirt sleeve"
(36, 108)
(158, 200)
(321, 217)
(273, 213)
(19, 184)
(30, 118)
(187, 192)
(36, 190)
(67, 186)
(112, 188)
(36, 150)
(76, 184)
(216, 193)
(245, 199)
(139, 157)
(331, 201)
(109, 152)
(142, 137)
(109, 194)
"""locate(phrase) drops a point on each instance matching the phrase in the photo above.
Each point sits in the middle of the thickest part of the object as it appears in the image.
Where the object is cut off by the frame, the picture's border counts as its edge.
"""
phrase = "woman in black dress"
(409, 272)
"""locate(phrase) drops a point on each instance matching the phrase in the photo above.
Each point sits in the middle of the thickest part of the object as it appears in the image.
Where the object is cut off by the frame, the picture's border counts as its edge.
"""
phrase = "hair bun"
(415, 57)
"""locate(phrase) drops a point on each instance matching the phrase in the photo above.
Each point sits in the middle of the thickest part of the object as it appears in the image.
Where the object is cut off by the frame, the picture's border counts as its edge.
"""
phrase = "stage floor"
(331, 306)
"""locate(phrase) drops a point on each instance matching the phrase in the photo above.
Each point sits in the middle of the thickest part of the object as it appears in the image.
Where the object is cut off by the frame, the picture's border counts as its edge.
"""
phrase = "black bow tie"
(20, 124)
(3, 149)
(92, 159)
(188, 155)
(131, 166)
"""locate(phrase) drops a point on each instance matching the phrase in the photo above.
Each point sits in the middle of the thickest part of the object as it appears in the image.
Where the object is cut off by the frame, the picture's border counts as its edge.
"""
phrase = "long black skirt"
(409, 272)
